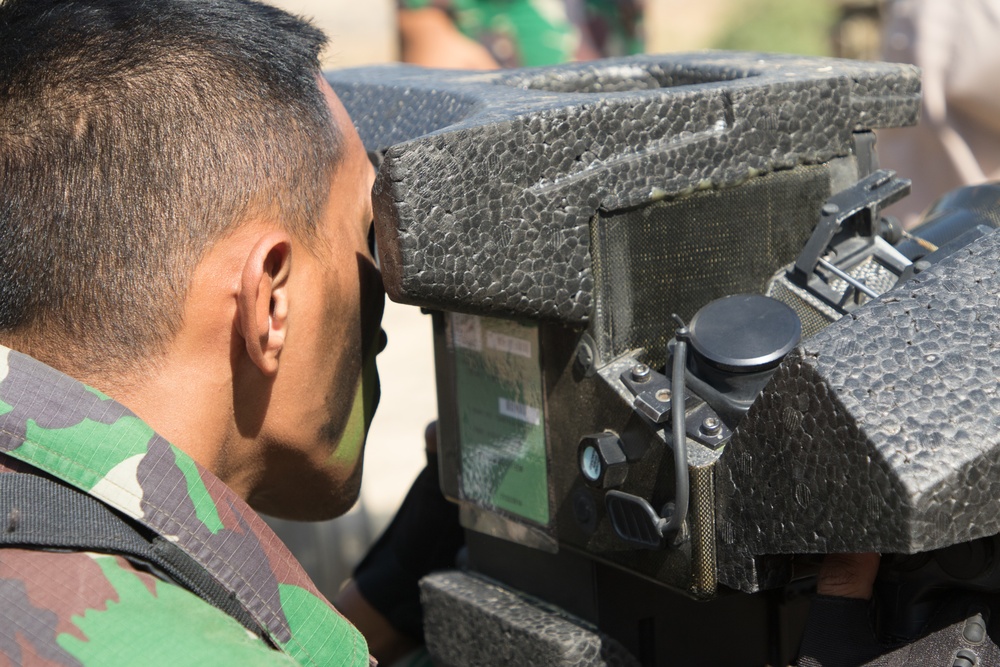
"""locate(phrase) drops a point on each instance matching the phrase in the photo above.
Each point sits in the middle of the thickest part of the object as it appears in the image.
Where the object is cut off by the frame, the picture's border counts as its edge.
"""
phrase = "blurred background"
(364, 33)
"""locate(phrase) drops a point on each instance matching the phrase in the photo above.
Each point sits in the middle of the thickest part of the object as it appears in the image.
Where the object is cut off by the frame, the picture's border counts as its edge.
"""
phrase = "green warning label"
(501, 416)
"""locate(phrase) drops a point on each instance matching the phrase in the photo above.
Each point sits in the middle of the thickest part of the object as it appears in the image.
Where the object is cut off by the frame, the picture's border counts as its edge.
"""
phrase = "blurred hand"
(431, 438)
(387, 644)
(848, 575)
(430, 39)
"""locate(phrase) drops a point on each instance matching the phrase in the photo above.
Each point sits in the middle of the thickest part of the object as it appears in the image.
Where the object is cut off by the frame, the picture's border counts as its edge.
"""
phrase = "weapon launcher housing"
(556, 219)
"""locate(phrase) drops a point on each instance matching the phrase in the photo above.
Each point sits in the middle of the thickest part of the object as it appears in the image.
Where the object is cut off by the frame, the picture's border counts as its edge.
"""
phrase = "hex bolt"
(711, 426)
(602, 460)
(640, 373)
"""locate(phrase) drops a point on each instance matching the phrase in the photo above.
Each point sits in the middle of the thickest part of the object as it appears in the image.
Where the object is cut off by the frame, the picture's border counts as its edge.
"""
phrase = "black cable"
(681, 479)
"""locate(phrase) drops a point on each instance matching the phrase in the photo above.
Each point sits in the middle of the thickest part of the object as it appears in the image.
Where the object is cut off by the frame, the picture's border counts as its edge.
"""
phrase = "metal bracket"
(865, 198)
(836, 246)
(704, 426)
(864, 151)
(653, 393)
(653, 400)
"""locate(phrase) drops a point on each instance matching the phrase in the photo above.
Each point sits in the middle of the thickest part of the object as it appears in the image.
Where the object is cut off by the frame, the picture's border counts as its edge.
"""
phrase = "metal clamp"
(850, 232)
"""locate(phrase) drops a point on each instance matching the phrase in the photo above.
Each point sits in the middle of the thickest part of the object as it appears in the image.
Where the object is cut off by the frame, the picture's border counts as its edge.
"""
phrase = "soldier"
(190, 316)
(481, 34)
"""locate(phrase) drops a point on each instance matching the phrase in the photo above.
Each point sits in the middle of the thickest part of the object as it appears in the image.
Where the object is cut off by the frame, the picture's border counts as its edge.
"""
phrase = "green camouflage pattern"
(528, 33)
(85, 609)
(122, 616)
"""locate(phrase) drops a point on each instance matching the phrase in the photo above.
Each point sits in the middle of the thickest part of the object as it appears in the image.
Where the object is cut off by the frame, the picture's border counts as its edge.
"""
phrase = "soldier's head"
(177, 181)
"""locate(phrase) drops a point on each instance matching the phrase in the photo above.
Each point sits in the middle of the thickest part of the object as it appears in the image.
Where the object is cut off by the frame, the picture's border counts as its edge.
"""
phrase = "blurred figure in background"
(487, 34)
(956, 43)
(857, 32)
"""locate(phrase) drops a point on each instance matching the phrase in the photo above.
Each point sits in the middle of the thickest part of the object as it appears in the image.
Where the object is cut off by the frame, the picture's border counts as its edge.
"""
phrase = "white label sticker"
(467, 331)
(521, 412)
(509, 344)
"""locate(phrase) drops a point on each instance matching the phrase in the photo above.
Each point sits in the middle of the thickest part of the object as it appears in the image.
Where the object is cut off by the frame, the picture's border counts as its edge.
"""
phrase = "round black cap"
(744, 332)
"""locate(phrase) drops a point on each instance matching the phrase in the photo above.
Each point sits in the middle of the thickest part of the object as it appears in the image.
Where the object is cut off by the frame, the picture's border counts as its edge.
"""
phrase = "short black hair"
(133, 134)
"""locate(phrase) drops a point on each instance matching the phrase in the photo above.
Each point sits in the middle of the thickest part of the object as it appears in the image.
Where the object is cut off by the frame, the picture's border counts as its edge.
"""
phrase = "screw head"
(711, 426)
(640, 373)
(830, 209)
(663, 395)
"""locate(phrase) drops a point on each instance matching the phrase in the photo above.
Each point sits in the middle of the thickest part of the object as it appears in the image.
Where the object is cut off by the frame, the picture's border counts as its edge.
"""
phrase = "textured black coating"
(490, 182)
(471, 622)
(881, 433)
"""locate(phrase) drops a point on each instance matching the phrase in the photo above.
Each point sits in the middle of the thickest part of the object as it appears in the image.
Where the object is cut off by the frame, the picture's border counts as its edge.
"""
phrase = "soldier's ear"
(263, 299)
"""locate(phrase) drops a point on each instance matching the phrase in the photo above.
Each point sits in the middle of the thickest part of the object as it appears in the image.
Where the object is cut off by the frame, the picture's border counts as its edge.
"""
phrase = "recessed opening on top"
(621, 78)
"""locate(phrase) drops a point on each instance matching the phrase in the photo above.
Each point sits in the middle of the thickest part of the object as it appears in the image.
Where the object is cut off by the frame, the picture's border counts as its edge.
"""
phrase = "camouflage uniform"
(93, 609)
(546, 32)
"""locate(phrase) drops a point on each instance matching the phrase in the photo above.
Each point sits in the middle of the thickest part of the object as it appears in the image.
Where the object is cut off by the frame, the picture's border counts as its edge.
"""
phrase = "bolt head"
(640, 372)
(711, 426)
(602, 460)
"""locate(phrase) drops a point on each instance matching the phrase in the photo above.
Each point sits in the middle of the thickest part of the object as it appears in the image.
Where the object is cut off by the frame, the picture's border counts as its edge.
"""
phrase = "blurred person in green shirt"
(486, 34)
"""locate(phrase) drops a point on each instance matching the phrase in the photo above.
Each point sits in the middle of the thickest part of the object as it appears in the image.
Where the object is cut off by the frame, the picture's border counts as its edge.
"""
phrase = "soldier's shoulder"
(83, 608)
